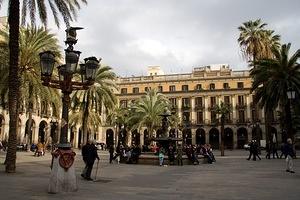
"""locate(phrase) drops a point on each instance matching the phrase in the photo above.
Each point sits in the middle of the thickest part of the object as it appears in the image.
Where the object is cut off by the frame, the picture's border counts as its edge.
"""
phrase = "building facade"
(192, 95)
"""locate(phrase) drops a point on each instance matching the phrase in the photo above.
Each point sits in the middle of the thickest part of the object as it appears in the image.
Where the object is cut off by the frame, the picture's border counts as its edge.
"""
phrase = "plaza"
(231, 177)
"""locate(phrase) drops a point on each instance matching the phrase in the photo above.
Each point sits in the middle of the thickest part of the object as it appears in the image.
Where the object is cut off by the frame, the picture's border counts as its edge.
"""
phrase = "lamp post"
(63, 172)
(291, 94)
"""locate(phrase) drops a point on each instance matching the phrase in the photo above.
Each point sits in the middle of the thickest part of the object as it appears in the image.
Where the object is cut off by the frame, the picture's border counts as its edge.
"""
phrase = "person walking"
(289, 153)
(251, 149)
(90, 155)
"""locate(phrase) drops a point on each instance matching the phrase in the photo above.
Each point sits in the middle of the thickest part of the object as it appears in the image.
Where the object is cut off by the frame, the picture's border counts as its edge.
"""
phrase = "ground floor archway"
(242, 137)
(109, 137)
(214, 138)
(42, 131)
(187, 136)
(228, 138)
(200, 136)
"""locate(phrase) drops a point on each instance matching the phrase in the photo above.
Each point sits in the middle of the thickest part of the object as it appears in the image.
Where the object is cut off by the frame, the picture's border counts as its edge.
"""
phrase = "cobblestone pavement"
(232, 177)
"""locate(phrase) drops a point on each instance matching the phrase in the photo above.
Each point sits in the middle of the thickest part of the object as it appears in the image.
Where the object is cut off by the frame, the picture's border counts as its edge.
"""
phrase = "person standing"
(251, 149)
(161, 156)
(289, 153)
(111, 153)
(179, 155)
(90, 154)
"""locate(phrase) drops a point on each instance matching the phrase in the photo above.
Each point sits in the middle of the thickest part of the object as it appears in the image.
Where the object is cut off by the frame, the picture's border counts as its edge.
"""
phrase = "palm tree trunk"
(14, 84)
(268, 125)
(222, 135)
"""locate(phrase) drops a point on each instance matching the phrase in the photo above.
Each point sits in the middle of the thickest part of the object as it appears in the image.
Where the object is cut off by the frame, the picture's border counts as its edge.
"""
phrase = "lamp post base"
(63, 177)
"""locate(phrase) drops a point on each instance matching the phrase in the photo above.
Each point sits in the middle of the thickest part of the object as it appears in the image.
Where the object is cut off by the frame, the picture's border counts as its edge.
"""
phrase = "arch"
(200, 136)
(256, 133)
(147, 140)
(242, 137)
(29, 132)
(187, 136)
(109, 137)
(135, 139)
(42, 131)
(214, 138)
(54, 131)
(228, 138)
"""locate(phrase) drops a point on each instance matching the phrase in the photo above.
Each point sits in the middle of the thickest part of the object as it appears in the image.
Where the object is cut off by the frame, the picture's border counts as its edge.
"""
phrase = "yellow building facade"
(193, 95)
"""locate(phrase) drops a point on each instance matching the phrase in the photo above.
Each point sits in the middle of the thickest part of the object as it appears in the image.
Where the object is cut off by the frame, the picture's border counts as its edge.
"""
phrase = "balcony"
(199, 107)
(241, 122)
(241, 106)
(186, 107)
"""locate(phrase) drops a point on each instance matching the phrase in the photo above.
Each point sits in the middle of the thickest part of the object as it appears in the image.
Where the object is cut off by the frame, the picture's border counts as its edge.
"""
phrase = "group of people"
(129, 155)
(287, 149)
(192, 152)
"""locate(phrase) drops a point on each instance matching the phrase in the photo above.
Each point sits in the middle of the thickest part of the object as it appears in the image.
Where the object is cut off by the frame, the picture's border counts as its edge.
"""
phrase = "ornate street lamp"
(63, 157)
(291, 95)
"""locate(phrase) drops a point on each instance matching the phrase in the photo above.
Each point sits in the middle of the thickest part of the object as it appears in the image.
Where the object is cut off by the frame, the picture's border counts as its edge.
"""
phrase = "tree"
(273, 77)
(223, 110)
(93, 99)
(255, 41)
(68, 9)
(145, 112)
(32, 41)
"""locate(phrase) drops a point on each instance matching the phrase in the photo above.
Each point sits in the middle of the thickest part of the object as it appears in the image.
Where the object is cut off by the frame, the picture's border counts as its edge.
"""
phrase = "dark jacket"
(289, 150)
(89, 153)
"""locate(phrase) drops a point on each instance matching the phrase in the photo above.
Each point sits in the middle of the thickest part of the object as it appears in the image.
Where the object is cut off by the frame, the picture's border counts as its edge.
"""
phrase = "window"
(241, 100)
(173, 102)
(241, 116)
(160, 88)
(198, 87)
(225, 85)
(227, 100)
(213, 101)
(124, 91)
(199, 117)
(172, 88)
(186, 102)
(186, 117)
(185, 88)
(198, 102)
(123, 103)
(135, 90)
(213, 116)
(44, 108)
(147, 89)
(240, 85)
(254, 115)
(212, 86)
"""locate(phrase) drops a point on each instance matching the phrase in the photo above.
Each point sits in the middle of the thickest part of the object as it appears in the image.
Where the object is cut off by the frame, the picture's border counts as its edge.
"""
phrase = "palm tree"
(223, 110)
(68, 9)
(255, 41)
(98, 95)
(145, 112)
(33, 41)
(273, 77)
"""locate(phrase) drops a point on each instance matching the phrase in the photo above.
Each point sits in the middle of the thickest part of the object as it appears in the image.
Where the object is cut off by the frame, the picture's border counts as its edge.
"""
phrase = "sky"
(130, 35)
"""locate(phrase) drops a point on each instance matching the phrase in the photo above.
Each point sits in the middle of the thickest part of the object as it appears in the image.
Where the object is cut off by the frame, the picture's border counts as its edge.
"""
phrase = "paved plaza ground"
(232, 177)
